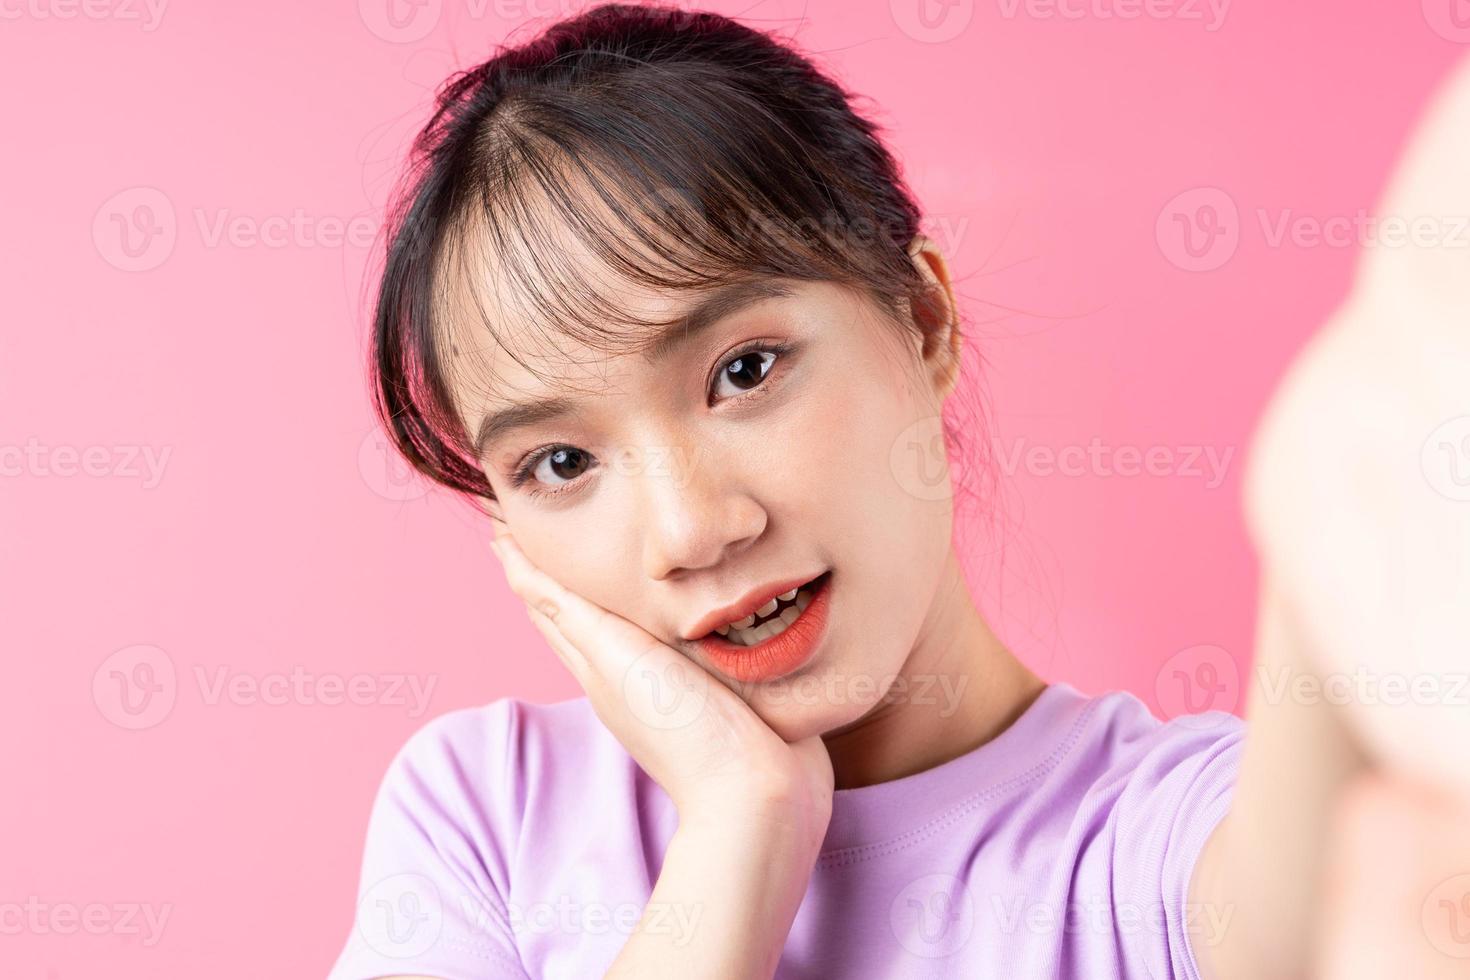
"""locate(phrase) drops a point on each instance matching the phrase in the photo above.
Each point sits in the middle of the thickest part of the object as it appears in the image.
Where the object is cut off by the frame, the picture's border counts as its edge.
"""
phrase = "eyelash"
(522, 478)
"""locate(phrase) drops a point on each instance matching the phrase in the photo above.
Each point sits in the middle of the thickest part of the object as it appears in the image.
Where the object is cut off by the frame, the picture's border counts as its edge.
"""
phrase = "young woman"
(658, 298)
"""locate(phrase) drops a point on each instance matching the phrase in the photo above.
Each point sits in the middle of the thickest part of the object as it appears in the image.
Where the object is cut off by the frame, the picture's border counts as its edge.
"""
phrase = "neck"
(959, 688)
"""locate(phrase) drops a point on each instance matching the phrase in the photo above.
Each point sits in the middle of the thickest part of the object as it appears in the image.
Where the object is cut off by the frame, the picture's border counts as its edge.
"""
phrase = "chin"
(796, 711)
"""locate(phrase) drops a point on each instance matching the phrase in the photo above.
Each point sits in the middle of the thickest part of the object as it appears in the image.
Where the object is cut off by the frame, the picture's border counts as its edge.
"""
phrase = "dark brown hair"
(713, 153)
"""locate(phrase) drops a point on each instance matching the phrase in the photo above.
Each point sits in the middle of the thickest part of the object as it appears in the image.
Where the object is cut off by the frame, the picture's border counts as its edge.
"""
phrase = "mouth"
(776, 638)
(773, 617)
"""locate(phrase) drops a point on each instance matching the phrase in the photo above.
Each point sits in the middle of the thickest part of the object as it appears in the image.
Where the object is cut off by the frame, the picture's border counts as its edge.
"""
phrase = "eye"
(747, 369)
(559, 468)
(537, 470)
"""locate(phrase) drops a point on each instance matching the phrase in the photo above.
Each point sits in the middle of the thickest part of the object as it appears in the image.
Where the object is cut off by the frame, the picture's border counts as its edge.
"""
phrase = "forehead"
(525, 318)
(529, 303)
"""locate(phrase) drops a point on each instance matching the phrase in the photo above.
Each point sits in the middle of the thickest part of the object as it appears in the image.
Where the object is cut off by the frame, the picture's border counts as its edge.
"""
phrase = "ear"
(938, 319)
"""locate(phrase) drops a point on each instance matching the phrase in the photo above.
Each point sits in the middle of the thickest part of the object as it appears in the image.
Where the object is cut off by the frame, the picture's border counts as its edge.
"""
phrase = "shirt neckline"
(867, 820)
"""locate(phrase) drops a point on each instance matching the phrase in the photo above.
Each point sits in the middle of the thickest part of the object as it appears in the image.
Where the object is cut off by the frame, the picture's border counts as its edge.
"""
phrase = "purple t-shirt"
(521, 840)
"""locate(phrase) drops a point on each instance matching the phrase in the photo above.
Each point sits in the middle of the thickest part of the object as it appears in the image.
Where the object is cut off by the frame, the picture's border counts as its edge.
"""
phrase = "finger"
(539, 590)
(570, 655)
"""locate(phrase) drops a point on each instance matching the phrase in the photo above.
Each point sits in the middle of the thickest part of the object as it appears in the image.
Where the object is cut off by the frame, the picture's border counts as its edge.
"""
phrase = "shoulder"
(453, 802)
(444, 835)
(1125, 780)
(499, 749)
(1123, 760)
(1143, 795)
(506, 763)
(481, 736)
(1155, 790)
(1124, 738)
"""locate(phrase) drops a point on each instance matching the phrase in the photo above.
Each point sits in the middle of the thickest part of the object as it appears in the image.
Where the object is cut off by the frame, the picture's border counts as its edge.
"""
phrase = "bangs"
(543, 190)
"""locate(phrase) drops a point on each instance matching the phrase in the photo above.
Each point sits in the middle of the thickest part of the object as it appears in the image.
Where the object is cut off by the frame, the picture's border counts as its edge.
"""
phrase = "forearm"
(1265, 863)
(723, 903)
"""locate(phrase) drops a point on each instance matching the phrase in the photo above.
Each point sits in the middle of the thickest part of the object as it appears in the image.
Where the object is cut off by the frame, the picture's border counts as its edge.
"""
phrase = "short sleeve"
(1171, 802)
(431, 898)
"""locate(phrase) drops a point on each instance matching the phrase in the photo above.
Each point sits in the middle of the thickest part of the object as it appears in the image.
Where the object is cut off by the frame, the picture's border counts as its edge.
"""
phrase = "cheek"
(569, 548)
(888, 511)
(868, 460)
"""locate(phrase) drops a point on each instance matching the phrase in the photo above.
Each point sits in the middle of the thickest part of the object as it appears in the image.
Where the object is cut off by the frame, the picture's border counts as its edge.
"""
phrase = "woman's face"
(683, 484)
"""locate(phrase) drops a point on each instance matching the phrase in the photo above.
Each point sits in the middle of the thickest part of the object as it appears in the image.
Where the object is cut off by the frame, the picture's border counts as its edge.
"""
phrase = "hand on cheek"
(717, 760)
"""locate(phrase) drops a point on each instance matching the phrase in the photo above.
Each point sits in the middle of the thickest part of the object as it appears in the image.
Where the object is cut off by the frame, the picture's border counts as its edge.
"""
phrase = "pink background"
(160, 300)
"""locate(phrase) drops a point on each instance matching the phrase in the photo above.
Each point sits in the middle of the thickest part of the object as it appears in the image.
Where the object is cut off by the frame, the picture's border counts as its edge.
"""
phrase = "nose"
(695, 510)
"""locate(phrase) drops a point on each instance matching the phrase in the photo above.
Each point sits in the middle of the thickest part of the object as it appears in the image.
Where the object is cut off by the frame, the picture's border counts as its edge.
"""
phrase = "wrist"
(790, 823)
(758, 870)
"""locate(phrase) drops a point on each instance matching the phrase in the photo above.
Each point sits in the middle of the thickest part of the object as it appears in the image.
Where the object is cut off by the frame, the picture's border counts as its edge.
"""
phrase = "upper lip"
(746, 605)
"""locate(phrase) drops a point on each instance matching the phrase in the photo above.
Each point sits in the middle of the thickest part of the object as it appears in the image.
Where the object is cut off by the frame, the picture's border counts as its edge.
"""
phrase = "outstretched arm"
(1262, 868)
(1358, 501)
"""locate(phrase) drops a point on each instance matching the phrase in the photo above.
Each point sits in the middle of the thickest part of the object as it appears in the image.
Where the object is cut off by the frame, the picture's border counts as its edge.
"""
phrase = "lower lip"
(774, 656)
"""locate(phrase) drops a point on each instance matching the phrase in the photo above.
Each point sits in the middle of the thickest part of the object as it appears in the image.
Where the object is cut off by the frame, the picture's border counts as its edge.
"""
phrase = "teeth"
(788, 596)
(767, 609)
(741, 634)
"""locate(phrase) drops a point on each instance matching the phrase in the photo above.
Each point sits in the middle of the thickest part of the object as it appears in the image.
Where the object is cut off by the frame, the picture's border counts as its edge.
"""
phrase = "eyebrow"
(722, 302)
